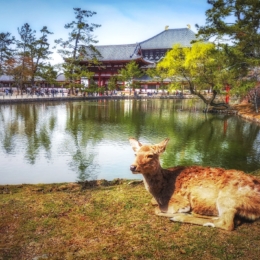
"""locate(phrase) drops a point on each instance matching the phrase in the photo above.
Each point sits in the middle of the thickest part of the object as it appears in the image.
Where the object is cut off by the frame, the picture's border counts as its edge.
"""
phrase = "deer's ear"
(162, 146)
(135, 144)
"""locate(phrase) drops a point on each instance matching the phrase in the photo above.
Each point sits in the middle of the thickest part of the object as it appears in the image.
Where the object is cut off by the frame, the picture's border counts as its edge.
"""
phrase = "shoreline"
(245, 111)
(25, 99)
(79, 185)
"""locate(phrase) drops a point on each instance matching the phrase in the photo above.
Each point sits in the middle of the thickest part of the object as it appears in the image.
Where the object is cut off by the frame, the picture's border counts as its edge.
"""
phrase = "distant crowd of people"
(35, 91)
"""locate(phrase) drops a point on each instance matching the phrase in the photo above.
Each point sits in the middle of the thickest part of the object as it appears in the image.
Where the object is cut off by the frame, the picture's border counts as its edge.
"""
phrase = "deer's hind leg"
(225, 220)
(227, 211)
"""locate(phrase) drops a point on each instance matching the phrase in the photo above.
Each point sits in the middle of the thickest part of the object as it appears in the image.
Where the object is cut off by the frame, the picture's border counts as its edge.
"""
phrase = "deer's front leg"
(177, 204)
(154, 202)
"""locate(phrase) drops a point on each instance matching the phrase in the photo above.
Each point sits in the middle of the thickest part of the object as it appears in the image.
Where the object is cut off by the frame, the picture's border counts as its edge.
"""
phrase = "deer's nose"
(132, 168)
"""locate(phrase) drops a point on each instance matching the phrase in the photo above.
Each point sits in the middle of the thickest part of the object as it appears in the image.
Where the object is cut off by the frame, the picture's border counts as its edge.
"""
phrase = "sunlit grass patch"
(117, 221)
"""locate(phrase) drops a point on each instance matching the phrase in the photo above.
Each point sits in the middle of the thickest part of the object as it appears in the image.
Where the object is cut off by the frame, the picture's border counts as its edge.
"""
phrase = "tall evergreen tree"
(27, 39)
(39, 52)
(78, 47)
(235, 23)
(6, 52)
(129, 73)
(30, 55)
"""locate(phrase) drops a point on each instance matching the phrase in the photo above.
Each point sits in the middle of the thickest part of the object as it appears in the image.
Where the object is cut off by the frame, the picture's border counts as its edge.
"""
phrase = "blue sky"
(121, 21)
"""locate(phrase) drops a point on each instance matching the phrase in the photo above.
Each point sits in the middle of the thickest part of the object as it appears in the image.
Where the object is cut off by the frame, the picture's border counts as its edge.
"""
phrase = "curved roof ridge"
(176, 29)
(109, 45)
(167, 38)
(118, 52)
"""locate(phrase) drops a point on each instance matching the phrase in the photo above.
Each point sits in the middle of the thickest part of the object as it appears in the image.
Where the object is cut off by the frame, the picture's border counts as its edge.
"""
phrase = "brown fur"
(213, 196)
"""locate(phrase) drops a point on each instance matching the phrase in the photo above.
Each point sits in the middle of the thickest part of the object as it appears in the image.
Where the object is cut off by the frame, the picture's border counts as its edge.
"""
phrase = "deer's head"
(147, 156)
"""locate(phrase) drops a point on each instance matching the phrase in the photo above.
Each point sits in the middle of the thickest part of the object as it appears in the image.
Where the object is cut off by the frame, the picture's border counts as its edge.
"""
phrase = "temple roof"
(127, 52)
(167, 38)
(123, 52)
(6, 78)
(61, 77)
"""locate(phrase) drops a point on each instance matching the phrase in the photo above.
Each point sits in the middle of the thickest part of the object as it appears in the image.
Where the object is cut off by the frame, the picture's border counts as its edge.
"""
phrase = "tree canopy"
(6, 52)
(75, 48)
(202, 68)
(129, 72)
(25, 60)
(235, 22)
(234, 25)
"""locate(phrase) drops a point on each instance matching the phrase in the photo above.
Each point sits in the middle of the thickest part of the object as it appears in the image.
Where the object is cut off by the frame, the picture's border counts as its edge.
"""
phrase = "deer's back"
(203, 186)
(220, 179)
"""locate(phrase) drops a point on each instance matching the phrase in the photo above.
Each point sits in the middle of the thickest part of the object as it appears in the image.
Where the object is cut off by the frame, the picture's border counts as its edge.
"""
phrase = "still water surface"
(76, 141)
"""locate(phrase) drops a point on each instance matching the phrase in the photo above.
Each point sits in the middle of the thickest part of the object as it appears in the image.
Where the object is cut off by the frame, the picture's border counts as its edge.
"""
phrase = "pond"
(86, 140)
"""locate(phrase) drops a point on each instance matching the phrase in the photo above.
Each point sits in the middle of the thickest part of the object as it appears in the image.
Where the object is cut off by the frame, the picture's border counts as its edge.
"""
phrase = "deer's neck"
(161, 185)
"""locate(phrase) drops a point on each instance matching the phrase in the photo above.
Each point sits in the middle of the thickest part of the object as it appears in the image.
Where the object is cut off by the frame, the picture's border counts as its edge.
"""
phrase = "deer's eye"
(150, 156)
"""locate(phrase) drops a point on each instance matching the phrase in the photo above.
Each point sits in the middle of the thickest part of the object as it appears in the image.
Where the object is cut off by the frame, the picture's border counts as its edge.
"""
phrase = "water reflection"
(76, 141)
(83, 139)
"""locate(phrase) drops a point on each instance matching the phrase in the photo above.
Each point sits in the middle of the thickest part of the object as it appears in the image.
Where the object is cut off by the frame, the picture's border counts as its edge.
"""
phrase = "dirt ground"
(247, 112)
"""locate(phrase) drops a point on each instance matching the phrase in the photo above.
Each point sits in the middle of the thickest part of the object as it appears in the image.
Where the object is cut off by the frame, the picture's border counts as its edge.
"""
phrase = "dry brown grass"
(109, 221)
(247, 111)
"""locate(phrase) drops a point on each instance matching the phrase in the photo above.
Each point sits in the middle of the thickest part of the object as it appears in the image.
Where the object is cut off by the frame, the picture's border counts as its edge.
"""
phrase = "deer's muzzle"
(132, 168)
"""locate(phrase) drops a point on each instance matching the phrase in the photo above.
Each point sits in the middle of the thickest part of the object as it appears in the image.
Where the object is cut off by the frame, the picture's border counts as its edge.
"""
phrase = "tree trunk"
(209, 101)
(255, 101)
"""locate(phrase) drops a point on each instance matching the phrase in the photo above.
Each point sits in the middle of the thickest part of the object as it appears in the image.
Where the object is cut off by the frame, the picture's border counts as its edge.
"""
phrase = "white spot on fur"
(208, 224)
(184, 210)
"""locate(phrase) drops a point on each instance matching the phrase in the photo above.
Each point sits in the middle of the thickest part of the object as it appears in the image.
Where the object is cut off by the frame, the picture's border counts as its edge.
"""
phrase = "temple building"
(115, 57)
(146, 54)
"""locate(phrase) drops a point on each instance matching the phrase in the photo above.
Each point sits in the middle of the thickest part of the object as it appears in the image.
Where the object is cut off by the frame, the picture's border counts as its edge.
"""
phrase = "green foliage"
(159, 74)
(173, 86)
(130, 72)
(236, 22)
(6, 53)
(93, 87)
(112, 82)
(48, 73)
(235, 25)
(78, 48)
(194, 65)
(31, 51)
(26, 61)
(205, 66)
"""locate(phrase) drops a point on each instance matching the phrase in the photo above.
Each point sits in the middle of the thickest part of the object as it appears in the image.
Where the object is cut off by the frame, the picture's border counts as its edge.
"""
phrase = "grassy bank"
(107, 221)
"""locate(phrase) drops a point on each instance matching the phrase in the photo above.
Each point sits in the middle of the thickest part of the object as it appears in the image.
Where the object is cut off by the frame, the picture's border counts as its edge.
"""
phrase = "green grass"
(64, 221)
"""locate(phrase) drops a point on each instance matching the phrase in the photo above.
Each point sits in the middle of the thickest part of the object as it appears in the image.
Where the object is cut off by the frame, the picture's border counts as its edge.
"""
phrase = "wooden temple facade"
(113, 58)
(146, 54)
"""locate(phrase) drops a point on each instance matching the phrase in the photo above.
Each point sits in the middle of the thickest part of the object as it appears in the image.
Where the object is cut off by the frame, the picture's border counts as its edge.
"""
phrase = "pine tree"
(129, 73)
(6, 52)
(78, 48)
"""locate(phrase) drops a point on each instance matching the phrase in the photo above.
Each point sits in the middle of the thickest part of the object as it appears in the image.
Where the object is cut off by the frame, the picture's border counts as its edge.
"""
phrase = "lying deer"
(197, 195)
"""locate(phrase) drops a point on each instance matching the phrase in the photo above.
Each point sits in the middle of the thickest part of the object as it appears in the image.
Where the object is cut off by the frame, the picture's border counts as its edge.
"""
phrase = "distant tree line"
(25, 58)
(28, 57)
